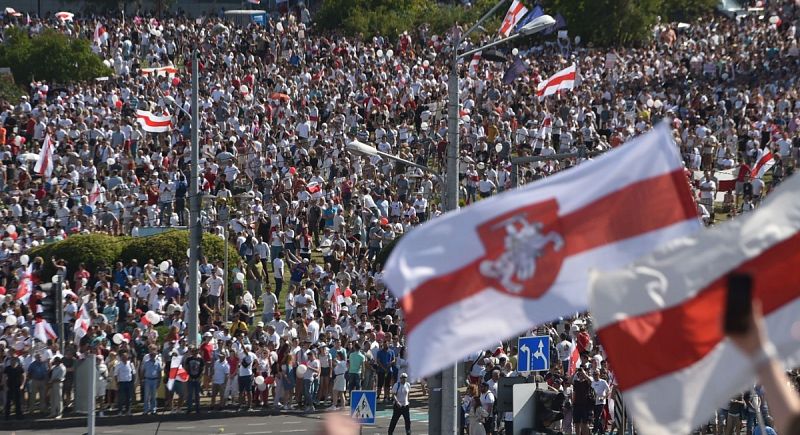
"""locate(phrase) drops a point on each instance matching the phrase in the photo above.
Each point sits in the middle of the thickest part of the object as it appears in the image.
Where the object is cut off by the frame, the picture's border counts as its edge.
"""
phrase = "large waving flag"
(564, 79)
(660, 319)
(153, 123)
(82, 322)
(160, 71)
(100, 35)
(44, 164)
(24, 289)
(94, 194)
(522, 258)
(176, 372)
(764, 163)
(43, 331)
(513, 16)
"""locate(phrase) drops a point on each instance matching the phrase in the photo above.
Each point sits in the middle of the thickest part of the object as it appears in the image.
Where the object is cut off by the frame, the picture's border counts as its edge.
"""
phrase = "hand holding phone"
(739, 304)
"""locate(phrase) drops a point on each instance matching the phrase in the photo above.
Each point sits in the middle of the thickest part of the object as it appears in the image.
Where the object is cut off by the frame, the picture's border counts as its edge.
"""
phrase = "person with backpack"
(400, 393)
(246, 376)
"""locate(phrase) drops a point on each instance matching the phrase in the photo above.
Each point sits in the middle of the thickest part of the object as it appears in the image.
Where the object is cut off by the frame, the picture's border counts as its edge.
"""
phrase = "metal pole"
(60, 313)
(449, 403)
(92, 387)
(225, 275)
(195, 235)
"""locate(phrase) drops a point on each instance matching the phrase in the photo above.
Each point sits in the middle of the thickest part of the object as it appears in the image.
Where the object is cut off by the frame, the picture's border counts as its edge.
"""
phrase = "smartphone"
(739, 303)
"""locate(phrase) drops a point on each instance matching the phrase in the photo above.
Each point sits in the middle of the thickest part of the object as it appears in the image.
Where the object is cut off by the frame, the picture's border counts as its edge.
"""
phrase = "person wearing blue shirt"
(152, 368)
(385, 360)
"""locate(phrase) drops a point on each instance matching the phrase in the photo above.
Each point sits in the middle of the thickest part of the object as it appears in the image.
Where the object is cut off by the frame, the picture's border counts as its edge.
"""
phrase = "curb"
(119, 420)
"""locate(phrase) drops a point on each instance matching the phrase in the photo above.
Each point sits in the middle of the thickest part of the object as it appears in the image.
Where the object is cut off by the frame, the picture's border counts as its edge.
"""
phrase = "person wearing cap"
(194, 365)
(219, 378)
(400, 408)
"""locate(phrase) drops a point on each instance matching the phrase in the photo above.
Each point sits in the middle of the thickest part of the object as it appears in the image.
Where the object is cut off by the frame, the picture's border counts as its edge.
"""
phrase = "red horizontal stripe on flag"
(556, 81)
(666, 200)
(153, 123)
(678, 337)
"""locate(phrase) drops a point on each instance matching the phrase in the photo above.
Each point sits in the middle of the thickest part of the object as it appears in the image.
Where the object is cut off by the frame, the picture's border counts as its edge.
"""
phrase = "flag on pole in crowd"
(532, 15)
(65, 16)
(513, 16)
(12, 12)
(43, 331)
(574, 360)
(517, 69)
(660, 318)
(100, 35)
(24, 288)
(176, 372)
(255, 2)
(522, 258)
(473, 64)
(153, 123)
(82, 322)
(562, 80)
(159, 71)
(44, 164)
(94, 195)
(764, 163)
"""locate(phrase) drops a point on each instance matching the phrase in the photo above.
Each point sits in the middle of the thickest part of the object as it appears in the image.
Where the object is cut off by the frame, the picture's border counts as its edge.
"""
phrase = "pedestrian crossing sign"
(362, 406)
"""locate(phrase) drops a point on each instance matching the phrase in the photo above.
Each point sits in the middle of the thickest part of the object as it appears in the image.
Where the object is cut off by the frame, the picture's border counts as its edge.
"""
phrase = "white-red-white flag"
(100, 35)
(24, 289)
(522, 258)
(12, 12)
(764, 163)
(43, 331)
(153, 123)
(65, 16)
(94, 195)
(473, 64)
(44, 164)
(513, 16)
(562, 80)
(176, 372)
(82, 322)
(160, 71)
(660, 318)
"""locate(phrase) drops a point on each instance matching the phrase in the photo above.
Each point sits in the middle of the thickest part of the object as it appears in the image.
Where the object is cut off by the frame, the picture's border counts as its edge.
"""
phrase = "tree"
(685, 10)
(50, 56)
(609, 22)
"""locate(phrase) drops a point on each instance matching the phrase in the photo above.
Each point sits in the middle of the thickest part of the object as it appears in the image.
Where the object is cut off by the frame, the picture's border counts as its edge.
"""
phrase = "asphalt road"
(289, 423)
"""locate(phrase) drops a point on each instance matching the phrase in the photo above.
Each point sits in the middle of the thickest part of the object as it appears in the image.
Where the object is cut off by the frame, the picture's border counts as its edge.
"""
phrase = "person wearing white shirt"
(400, 393)
(311, 379)
(123, 373)
(313, 331)
(215, 284)
(270, 303)
(246, 361)
(219, 378)
(601, 392)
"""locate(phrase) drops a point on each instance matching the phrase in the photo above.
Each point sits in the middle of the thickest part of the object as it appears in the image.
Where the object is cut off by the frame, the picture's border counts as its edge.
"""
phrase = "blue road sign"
(363, 404)
(533, 353)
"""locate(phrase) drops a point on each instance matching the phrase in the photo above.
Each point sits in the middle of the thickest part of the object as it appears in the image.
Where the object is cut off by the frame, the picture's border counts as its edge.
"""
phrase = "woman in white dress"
(476, 417)
(339, 381)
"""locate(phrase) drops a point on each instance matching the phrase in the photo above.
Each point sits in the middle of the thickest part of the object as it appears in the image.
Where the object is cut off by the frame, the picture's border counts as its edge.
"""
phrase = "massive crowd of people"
(279, 103)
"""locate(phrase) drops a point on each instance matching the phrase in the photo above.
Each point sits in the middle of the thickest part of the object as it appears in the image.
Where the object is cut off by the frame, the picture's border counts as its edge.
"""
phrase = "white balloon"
(379, 53)
(301, 371)
(426, 63)
(481, 165)
(11, 229)
(244, 89)
(261, 387)
(152, 317)
(348, 300)
(24, 259)
(117, 338)
(259, 380)
(164, 266)
(389, 53)
(111, 161)
(11, 320)
(774, 19)
(240, 276)
(514, 51)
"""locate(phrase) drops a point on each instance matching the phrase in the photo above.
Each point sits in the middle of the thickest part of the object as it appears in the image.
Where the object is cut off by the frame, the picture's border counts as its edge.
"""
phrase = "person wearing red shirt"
(584, 341)
(207, 353)
(80, 274)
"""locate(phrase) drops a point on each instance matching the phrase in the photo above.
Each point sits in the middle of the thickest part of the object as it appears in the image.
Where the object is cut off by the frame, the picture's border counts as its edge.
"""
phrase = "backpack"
(247, 360)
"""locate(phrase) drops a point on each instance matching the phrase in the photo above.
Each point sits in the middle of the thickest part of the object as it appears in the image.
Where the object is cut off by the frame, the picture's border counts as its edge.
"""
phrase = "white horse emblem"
(524, 243)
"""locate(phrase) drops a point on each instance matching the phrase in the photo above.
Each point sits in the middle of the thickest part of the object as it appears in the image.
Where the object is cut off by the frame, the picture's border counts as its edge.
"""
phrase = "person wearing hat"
(194, 365)
(400, 394)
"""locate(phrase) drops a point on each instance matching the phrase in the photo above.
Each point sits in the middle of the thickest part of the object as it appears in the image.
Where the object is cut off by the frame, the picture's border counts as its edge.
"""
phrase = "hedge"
(98, 250)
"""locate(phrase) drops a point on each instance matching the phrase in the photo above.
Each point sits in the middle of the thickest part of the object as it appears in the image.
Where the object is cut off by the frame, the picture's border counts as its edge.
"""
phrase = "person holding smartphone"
(753, 341)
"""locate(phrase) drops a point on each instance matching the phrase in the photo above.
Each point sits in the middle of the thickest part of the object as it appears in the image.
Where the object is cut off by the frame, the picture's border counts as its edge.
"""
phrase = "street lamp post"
(449, 376)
